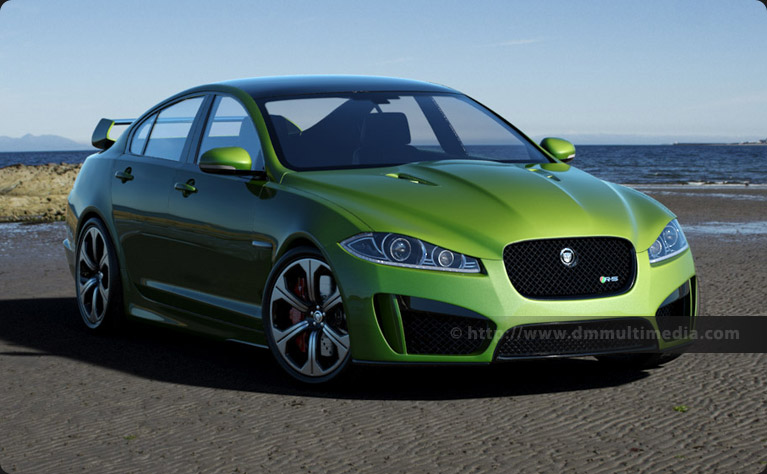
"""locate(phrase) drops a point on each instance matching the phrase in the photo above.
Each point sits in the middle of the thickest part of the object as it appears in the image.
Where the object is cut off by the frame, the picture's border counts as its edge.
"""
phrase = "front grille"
(577, 338)
(604, 266)
(435, 333)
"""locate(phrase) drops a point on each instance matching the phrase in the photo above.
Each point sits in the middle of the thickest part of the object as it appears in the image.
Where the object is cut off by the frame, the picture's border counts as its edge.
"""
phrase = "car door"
(144, 179)
(220, 263)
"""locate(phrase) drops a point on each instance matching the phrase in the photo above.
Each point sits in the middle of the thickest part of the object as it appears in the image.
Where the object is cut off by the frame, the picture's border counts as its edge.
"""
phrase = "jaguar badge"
(567, 256)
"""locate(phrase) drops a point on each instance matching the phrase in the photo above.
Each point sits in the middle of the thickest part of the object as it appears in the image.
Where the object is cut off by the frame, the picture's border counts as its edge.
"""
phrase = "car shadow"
(52, 327)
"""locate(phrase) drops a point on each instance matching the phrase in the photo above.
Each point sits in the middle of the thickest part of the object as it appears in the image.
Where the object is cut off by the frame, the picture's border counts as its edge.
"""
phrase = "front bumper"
(69, 252)
(377, 331)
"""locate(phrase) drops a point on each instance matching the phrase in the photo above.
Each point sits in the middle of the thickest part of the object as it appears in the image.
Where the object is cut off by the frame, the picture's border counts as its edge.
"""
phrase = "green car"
(339, 219)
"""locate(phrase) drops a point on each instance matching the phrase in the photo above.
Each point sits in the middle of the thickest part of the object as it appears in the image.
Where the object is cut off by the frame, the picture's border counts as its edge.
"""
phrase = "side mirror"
(228, 160)
(560, 149)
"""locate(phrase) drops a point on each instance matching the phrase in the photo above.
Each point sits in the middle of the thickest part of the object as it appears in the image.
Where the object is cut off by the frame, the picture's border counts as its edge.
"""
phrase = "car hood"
(479, 207)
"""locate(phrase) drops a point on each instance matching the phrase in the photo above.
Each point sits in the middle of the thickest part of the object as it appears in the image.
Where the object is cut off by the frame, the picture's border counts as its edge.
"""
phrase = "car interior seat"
(385, 138)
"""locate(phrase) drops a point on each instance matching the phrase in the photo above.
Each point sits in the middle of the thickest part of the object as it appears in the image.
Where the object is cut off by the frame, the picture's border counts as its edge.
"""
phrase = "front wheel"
(304, 318)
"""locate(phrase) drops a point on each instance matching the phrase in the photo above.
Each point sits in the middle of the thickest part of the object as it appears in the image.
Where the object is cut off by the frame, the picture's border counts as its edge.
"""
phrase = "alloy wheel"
(93, 277)
(307, 320)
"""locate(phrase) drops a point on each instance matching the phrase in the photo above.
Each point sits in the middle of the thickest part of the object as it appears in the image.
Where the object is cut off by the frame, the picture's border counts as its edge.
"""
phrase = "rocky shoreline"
(35, 193)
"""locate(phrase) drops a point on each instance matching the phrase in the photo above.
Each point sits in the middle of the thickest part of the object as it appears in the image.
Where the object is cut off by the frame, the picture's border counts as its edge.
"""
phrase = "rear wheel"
(304, 317)
(97, 278)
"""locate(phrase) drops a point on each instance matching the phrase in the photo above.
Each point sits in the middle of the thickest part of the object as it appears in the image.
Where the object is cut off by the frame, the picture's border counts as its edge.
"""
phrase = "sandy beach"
(409, 141)
(150, 400)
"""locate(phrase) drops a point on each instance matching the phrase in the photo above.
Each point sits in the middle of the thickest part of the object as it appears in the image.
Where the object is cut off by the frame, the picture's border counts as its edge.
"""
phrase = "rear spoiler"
(100, 138)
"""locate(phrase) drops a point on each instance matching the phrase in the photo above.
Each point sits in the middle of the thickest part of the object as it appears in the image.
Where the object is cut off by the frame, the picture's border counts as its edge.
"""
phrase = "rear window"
(139, 138)
(170, 130)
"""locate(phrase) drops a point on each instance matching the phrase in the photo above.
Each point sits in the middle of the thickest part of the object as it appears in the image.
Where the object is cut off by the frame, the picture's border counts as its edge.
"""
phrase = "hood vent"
(543, 173)
(411, 178)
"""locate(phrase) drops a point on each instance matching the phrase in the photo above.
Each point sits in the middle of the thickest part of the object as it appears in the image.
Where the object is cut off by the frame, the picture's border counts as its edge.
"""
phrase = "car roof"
(275, 86)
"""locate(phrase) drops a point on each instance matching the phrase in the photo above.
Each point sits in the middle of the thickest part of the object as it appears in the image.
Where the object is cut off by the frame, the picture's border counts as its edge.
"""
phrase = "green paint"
(191, 259)
(558, 148)
(225, 158)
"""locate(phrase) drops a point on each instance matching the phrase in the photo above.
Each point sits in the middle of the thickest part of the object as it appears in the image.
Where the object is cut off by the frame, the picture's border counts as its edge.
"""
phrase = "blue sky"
(618, 71)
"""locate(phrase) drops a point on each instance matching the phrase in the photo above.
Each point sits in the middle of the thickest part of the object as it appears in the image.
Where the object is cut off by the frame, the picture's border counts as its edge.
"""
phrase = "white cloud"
(517, 42)
(403, 59)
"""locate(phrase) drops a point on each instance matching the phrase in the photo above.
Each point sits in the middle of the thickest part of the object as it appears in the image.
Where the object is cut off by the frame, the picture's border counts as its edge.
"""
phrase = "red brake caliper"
(297, 316)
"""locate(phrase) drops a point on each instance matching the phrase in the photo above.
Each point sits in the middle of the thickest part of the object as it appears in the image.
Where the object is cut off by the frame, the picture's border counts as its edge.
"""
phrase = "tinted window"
(389, 128)
(482, 134)
(421, 134)
(171, 129)
(230, 125)
(139, 138)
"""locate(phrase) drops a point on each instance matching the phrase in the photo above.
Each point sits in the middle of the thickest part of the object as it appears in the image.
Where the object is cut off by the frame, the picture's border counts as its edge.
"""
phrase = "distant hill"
(626, 139)
(31, 142)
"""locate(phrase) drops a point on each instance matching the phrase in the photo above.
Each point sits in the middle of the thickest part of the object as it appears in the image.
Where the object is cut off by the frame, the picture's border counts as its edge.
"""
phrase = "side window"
(230, 125)
(139, 138)
(171, 129)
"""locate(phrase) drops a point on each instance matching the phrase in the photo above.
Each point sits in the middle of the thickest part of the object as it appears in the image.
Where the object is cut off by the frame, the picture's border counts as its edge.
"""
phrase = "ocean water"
(640, 164)
(663, 164)
(43, 157)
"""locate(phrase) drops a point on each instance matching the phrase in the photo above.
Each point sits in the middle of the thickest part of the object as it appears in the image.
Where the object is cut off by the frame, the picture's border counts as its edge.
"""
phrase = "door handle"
(185, 188)
(124, 175)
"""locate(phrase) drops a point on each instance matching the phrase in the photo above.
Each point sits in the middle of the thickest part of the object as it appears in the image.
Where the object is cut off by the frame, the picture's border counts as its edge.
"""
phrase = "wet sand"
(727, 230)
(151, 400)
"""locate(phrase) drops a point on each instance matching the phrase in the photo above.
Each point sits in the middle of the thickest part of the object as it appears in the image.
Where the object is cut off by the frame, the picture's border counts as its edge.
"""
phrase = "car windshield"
(358, 130)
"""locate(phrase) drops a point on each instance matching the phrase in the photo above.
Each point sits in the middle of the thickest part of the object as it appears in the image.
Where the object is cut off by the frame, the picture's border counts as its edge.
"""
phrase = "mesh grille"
(536, 270)
(676, 318)
(432, 333)
(577, 338)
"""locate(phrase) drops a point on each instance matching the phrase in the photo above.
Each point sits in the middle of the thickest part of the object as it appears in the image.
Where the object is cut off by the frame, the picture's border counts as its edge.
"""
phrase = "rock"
(35, 192)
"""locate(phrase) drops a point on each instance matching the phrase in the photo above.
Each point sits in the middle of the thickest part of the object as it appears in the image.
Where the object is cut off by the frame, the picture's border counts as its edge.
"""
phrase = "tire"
(304, 318)
(637, 361)
(97, 278)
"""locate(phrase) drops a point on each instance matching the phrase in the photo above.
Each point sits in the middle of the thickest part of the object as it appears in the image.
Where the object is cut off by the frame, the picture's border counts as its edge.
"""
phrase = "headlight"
(404, 251)
(670, 242)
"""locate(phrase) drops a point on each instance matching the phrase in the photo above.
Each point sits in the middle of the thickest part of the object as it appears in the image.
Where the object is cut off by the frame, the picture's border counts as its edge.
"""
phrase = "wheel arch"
(94, 212)
(86, 215)
(296, 240)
